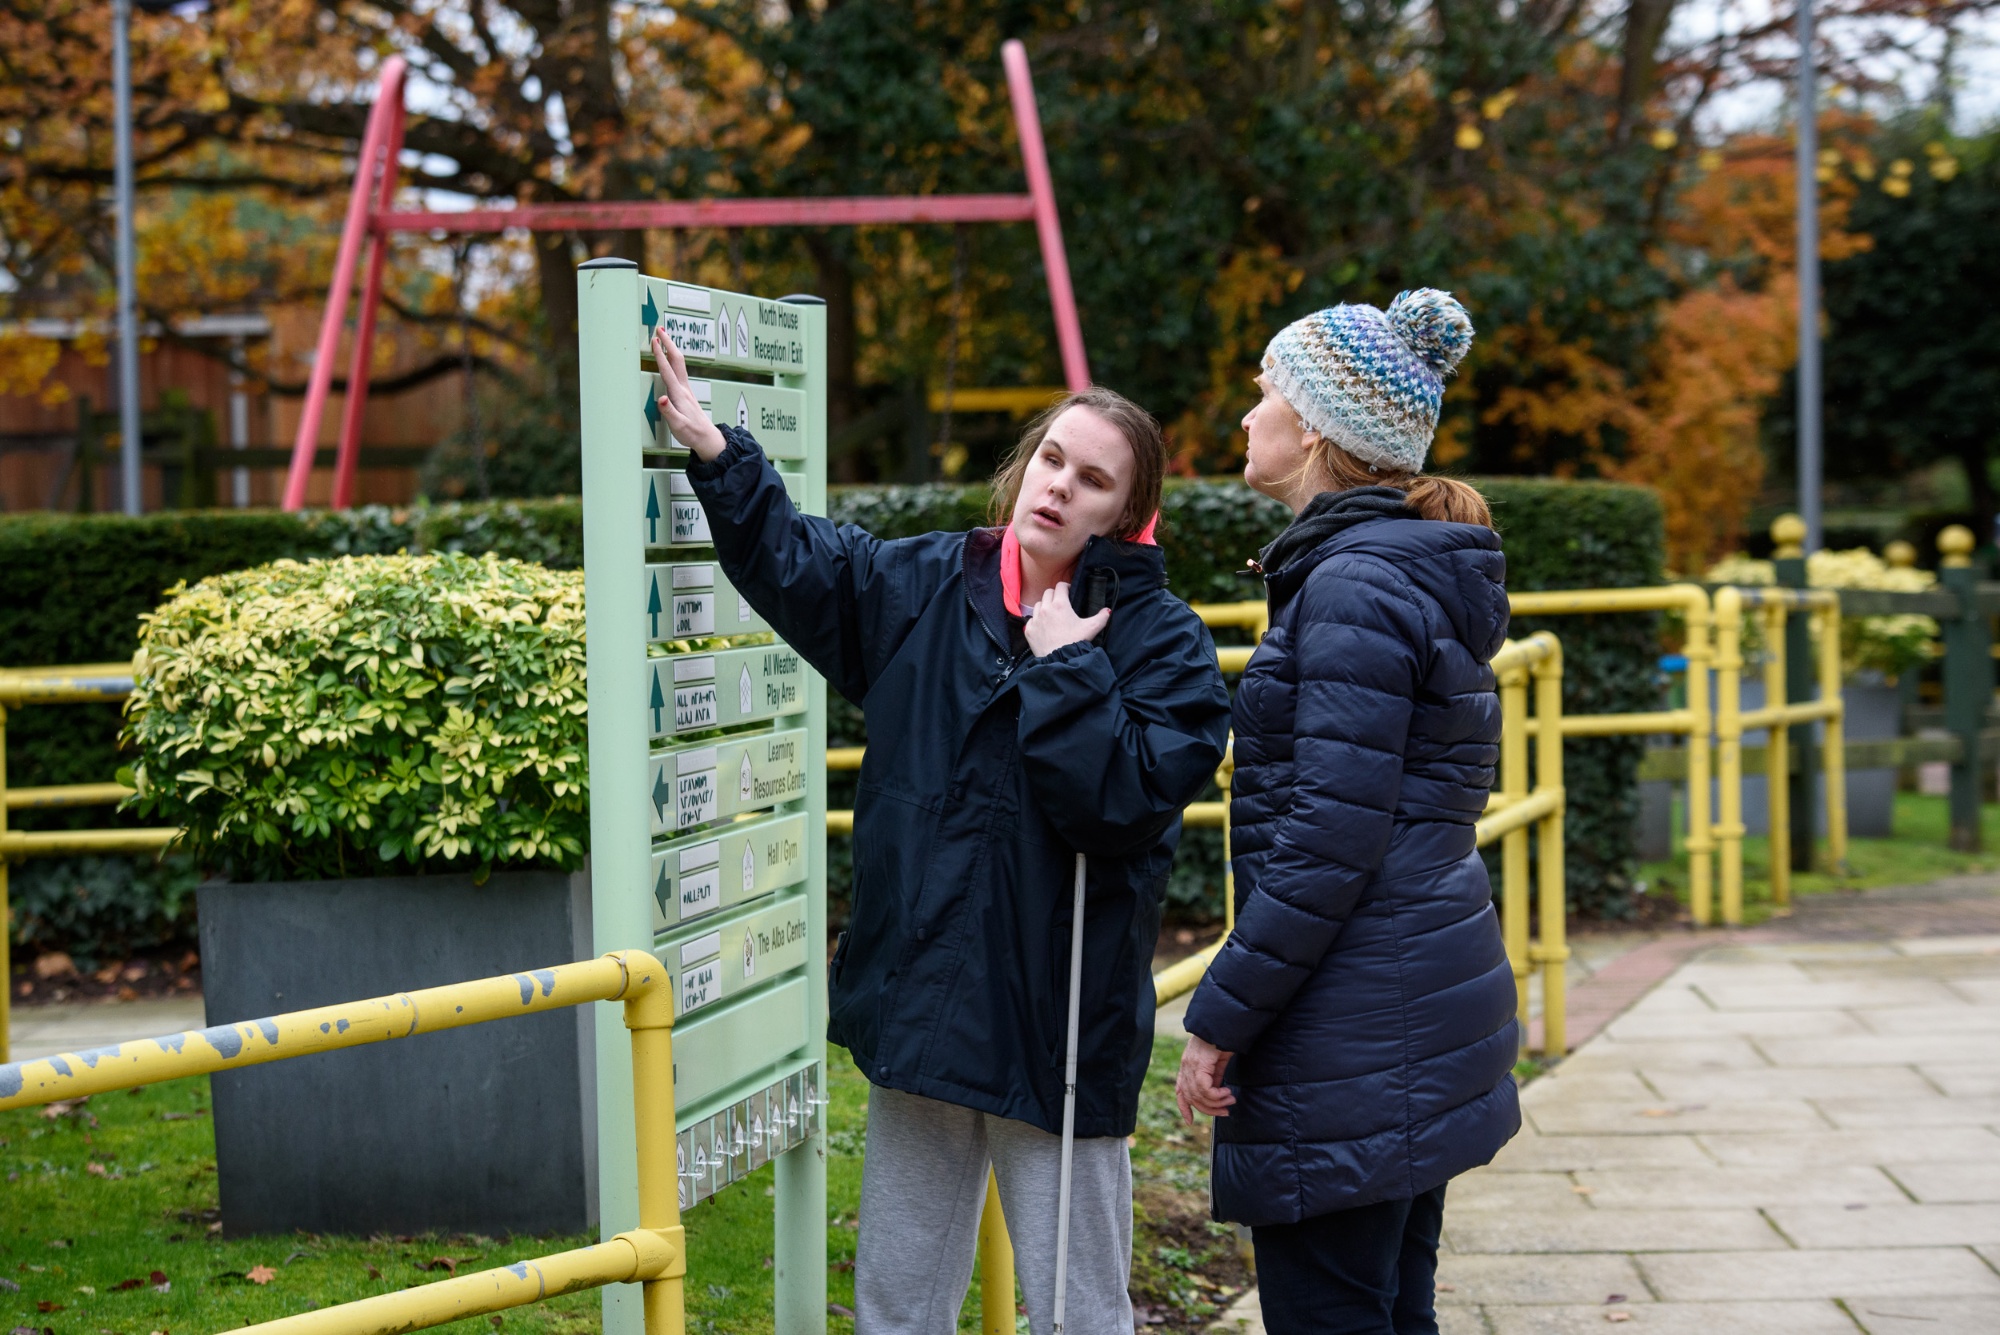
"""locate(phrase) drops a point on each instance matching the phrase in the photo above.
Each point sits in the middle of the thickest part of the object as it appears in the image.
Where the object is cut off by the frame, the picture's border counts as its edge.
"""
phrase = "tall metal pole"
(1811, 468)
(128, 279)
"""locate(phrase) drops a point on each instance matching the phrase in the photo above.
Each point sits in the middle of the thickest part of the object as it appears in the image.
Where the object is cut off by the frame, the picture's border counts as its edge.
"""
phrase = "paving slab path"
(1793, 1129)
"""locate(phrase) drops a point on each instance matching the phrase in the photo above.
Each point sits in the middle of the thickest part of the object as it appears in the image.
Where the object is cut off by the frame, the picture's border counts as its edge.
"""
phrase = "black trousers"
(1371, 1270)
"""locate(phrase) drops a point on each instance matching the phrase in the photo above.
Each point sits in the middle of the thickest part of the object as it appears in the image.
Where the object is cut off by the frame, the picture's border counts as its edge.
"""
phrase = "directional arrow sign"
(689, 599)
(772, 413)
(697, 785)
(767, 336)
(658, 704)
(663, 794)
(670, 495)
(649, 314)
(751, 947)
(776, 687)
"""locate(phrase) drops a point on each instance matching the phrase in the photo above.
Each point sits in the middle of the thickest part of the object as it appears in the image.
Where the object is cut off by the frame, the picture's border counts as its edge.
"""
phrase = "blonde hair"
(1141, 431)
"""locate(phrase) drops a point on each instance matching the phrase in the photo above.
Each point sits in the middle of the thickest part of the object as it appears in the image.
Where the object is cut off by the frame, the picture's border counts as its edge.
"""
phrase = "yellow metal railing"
(1694, 722)
(96, 683)
(654, 1254)
(1772, 606)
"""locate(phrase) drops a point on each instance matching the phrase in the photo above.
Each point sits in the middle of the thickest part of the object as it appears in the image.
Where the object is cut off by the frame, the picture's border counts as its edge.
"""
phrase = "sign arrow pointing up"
(657, 704)
(653, 605)
(662, 794)
(652, 515)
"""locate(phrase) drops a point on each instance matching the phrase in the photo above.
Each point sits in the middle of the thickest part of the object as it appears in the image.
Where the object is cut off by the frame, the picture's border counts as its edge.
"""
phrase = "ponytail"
(1430, 496)
(1448, 499)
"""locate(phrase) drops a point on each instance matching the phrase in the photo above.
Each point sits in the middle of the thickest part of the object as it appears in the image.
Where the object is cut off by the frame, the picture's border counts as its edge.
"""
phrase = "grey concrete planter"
(486, 1129)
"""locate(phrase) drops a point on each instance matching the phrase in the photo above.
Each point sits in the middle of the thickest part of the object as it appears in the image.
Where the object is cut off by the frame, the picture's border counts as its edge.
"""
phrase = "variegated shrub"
(366, 716)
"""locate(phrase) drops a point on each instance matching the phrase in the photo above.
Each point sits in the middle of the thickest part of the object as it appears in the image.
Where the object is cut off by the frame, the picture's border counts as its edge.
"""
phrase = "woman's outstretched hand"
(1055, 623)
(686, 418)
(1199, 1086)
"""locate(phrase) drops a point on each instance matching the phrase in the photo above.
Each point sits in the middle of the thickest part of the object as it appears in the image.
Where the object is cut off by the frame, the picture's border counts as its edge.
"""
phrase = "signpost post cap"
(802, 299)
(608, 262)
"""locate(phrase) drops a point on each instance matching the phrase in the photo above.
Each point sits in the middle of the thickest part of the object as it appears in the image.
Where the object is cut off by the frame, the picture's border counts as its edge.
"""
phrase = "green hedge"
(77, 585)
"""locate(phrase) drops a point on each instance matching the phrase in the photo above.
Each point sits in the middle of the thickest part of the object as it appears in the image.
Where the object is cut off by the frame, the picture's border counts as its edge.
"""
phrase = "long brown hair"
(1432, 497)
(1141, 431)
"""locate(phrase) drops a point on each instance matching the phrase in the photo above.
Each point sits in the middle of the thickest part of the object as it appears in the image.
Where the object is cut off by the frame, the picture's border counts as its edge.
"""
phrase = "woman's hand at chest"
(1055, 623)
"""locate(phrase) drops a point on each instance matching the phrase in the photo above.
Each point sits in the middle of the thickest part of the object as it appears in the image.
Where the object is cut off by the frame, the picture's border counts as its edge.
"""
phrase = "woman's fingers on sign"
(682, 410)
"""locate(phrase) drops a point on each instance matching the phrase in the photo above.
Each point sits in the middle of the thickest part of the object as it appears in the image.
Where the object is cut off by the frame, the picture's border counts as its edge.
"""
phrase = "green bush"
(1585, 535)
(366, 716)
(101, 909)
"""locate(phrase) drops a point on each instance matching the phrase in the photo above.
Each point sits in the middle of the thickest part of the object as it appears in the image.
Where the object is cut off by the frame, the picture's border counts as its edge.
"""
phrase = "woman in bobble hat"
(1355, 1039)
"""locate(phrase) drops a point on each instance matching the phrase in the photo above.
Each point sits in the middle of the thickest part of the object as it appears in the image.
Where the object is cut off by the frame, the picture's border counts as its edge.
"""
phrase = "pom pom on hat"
(1434, 325)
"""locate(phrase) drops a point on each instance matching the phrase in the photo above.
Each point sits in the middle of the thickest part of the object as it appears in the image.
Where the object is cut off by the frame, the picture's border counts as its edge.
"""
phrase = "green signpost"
(707, 764)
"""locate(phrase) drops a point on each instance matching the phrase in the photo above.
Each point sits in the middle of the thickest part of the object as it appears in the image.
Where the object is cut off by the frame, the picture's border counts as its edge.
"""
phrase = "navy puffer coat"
(1365, 990)
(987, 770)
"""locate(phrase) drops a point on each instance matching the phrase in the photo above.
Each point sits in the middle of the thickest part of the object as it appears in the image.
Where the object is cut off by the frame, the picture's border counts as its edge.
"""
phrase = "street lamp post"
(125, 257)
(1811, 467)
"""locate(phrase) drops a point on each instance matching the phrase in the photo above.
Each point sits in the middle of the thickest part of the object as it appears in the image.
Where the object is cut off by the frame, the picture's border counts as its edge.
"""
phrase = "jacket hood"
(1459, 566)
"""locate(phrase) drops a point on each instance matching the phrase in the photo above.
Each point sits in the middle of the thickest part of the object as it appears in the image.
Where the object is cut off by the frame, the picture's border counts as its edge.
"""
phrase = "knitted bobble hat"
(1368, 380)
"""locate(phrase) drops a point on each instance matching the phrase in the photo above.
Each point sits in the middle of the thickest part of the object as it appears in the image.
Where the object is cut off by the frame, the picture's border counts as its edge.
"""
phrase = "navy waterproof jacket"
(1365, 989)
(987, 771)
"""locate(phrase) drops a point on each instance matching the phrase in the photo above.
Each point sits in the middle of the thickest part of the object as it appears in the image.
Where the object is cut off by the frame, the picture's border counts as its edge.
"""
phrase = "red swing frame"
(372, 217)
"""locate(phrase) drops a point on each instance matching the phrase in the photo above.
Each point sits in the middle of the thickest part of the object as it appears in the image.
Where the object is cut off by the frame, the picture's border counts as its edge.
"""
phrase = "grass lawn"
(1916, 852)
(109, 1226)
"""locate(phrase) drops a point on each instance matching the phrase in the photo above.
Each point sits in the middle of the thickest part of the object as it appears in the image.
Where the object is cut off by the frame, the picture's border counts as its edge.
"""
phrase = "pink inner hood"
(1010, 562)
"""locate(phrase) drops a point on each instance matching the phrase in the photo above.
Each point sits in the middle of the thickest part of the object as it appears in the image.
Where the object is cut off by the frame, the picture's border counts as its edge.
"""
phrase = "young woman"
(1006, 734)
(1356, 1036)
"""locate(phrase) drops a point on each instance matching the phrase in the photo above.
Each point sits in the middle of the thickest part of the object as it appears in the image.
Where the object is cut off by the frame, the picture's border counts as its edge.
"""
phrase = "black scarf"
(1327, 514)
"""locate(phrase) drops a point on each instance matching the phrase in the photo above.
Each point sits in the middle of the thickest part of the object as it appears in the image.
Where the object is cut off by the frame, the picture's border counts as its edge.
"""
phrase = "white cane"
(1069, 1101)
(1100, 592)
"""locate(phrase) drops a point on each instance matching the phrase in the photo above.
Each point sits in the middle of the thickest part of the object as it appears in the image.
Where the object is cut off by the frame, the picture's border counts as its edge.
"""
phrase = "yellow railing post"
(1834, 737)
(996, 1266)
(1729, 752)
(649, 1014)
(1700, 825)
(1777, 753)
(1551, 951)
(6, 911)
(1514, 844)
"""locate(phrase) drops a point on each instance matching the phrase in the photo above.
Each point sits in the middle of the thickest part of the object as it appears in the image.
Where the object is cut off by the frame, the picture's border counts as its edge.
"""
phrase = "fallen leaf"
(260, 1274)
(90, 1289)
(842, 1265)
(54, 964)
(157, 1277)
(125, 1284)
(109, 973)
(46, 1306)
(449, 1264)
(96, 1170)
(1614, 1298)
(1617, 1316)
(835, 1309)
(1447, 1288)
(1659, 1112)
(373, 1273)
(1584, 1191)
